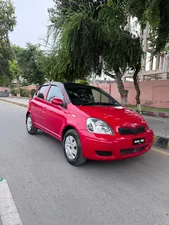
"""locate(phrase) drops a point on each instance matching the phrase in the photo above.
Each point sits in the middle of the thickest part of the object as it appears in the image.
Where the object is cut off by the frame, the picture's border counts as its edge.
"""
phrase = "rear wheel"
(72, 148)
(29, 125)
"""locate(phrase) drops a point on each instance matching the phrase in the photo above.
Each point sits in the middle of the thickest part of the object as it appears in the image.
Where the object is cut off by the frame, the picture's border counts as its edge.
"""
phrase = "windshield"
(86, 95)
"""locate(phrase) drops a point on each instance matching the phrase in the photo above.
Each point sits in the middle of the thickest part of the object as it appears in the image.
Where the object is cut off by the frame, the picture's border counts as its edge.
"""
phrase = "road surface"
(48, 191)
(159, 125)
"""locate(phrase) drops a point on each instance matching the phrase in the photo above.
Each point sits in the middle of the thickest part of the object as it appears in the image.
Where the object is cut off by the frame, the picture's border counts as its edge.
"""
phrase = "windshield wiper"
(105, 103)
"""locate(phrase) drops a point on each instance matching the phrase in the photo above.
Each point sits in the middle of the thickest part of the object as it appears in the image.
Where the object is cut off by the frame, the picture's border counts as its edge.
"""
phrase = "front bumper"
(106, 147)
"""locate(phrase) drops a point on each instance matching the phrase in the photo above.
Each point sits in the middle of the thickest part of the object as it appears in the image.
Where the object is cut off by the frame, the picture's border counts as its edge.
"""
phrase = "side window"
(99, 97)
(42, 91)
(55, 92)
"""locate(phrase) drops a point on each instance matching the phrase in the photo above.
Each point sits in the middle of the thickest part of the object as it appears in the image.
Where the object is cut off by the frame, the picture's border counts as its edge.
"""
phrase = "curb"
(15, 103)
(161, 142)
(154, 114)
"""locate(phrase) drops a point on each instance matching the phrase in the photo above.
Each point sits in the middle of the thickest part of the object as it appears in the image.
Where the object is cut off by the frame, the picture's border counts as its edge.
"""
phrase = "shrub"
(32, 92)
(24, 92)
(14, 92)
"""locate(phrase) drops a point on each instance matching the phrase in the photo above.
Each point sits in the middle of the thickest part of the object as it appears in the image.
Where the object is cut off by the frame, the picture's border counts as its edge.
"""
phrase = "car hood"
(114, 116)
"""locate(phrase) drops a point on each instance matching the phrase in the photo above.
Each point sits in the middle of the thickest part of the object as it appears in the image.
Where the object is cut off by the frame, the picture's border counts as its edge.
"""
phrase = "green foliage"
(82, 82)
(4, 80)
(14, 69)
(23, 92)
(90, 34)
(7, 17)
(156, 13)
(77, 54)
(5, 56)
(7, 24)
(50, 64)
(12, 86)
(25, 83)
(14, 92)
(19, 55)
(31, 61)
(32, 92)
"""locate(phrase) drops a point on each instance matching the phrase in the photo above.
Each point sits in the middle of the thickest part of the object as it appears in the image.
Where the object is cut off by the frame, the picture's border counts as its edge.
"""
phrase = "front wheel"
(72, 148)
(29, 125)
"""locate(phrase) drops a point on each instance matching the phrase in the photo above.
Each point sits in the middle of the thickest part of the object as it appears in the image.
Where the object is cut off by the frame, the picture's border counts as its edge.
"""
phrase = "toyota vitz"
(89, 122)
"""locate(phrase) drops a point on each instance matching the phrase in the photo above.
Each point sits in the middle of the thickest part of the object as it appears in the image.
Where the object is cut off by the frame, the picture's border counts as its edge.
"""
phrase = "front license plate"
(138, 141)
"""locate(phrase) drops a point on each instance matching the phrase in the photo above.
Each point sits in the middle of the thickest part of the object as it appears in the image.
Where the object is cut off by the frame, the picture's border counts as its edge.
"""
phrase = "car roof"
(65, 84)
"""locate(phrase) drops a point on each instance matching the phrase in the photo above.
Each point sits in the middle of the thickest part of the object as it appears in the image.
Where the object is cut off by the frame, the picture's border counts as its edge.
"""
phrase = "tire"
(72, 148)
(29, 125)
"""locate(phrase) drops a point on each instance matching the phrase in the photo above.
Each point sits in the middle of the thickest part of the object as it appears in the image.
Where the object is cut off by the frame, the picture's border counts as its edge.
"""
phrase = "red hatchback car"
(89, 123)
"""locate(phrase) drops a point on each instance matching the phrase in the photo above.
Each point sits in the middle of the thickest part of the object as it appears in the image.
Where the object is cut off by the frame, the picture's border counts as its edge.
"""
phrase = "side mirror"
(40, 95)
(57, 101)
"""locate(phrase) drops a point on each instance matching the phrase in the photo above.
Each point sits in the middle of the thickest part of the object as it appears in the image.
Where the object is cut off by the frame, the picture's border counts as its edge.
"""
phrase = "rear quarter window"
(42, 90)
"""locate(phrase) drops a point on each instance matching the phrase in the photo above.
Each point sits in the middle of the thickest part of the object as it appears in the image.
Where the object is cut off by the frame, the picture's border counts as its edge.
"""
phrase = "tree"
(7, 20)
(15, 71)
(19, 53)
(122, 50)
(5, 55)
(77, 31)
(92, 34)
(7, 24)
(126, 55)
(154, 12)
(30, 61)
(33, 63)
(15, 64)
(79, 25)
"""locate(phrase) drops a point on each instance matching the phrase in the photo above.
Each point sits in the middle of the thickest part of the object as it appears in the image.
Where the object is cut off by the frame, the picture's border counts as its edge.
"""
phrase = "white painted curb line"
(8, 211)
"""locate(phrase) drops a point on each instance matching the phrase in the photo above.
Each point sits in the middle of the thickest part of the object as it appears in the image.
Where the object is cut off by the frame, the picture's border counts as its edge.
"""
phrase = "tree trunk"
(137, 88)
(120, 85)
(122, 91)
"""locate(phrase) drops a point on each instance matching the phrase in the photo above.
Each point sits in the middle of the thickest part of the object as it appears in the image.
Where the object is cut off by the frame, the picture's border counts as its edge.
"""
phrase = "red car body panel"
(112, 144)
(54, 119)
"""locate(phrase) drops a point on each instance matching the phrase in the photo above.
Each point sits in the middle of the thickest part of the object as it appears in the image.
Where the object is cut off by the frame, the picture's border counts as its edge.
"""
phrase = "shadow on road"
(125, 163)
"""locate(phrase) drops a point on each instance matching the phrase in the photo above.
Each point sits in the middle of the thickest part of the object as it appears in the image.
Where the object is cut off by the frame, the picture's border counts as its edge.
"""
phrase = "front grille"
(103, 153)
(132, 150)
(129, 130)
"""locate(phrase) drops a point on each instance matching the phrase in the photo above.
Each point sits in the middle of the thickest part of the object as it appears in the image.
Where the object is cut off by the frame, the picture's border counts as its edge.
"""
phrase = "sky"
(32, 19)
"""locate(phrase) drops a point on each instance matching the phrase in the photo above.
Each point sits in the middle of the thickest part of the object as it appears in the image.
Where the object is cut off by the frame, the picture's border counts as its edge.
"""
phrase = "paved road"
(18, 100)
(47, 190)
(159, 125)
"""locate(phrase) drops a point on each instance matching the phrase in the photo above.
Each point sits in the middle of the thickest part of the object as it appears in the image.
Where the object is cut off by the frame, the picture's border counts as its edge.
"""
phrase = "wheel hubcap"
(29, 123)
(71, 147)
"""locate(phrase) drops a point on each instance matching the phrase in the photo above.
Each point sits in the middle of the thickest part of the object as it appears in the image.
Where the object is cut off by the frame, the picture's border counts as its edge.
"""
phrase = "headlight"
(98, 126)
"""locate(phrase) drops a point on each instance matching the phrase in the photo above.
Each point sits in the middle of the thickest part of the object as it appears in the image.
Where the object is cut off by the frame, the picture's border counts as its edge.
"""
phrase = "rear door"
(39, 104)
(55, 116)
